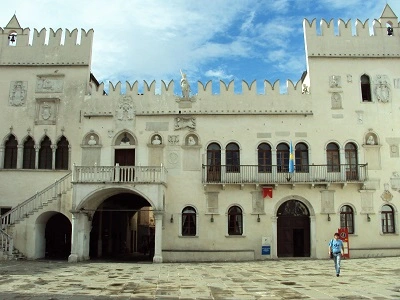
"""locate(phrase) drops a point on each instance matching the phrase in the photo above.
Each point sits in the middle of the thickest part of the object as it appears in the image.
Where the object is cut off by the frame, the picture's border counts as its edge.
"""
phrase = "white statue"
(92, 141)
(156, 140)
(185, 86)
(370, 140)
(191, 141)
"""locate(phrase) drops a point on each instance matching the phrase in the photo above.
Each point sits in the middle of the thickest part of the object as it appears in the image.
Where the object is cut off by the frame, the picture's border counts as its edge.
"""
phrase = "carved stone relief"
(386, 195)
(173, 139)
(394, 150)
(382, 89)
(367, 202)
(336, 100)
(335, 81)
(212, 202)
(49, 84)
(18, 91)
(46, 111)
(327, 201)
(349, 78)
(396, 83)
(181, 122)
(126, 109)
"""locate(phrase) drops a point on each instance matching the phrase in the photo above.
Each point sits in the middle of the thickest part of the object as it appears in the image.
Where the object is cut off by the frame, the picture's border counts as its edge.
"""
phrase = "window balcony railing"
(307, 174)
(112, 174)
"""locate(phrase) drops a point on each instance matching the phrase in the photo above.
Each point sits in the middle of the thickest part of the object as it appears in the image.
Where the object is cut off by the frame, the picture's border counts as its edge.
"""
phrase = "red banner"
(267, 192)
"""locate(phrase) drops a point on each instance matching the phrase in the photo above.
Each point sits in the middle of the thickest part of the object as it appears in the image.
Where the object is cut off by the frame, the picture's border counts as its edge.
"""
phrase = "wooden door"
(125, 157)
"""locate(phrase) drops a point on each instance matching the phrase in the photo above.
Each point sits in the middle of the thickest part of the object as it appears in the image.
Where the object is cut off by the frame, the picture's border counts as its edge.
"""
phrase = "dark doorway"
(293, 230)
(58, 237)
(125, 157)
(123, 229)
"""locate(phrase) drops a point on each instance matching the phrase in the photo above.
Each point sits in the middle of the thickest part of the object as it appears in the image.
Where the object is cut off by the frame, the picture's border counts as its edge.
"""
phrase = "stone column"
(69, 157)
(80, 237)
(274, 242)
(20, 156)
(158, 238)
(313, 238)
(37, 148)
(53, 156)
(100, 239)
(1, 157)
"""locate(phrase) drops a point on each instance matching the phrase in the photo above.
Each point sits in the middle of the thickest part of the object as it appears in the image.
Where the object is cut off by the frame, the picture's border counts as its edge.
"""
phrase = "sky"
(137, 40)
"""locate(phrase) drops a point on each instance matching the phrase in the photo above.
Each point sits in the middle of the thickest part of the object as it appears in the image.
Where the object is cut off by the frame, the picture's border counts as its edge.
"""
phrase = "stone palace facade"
(89, 174)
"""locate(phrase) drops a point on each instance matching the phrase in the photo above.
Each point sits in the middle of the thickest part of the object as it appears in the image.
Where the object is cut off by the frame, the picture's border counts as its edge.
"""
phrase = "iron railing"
(272, 174)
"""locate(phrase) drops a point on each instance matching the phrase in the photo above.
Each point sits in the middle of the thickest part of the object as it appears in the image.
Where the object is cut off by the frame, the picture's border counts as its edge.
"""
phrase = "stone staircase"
(27, 208)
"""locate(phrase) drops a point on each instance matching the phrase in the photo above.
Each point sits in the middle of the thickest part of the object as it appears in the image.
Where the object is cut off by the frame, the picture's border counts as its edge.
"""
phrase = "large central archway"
(123, 229)
(293, 230)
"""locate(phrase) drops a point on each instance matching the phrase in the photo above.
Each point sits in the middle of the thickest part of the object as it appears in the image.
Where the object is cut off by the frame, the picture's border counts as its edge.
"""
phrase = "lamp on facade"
(212, 218)
(172, 219)
(329, 218)
(258, 218)
(368, 218)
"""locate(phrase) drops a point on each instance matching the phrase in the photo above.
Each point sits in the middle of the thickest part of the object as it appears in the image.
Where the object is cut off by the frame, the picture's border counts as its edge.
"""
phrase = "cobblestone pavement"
(371, 278)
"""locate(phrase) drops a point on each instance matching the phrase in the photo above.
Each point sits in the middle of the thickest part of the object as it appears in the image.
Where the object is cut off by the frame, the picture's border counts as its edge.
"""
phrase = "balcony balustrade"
(113, 174)
(272, 174)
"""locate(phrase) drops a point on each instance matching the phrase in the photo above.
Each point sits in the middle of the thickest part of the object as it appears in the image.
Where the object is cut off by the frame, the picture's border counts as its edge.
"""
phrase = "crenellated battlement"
(147, 101)
(353, 39)
(44, 47)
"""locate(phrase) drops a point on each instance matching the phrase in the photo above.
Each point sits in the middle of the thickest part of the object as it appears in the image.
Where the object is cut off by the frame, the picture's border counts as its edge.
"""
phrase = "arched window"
(11, 153)
(62, 154)
(235, 221)
(29, 156)
(387, 219)
(365, 88)
(264, 158)
(188, 221)
(333, 157)
(232, 158)
(282, 157)
(347, 218)
(350, 151)
(301, 158)
(213, 163)
(45, 154)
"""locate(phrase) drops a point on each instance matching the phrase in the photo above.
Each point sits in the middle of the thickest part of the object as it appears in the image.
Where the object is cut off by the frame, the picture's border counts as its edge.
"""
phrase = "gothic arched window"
(29, 155)
(62, 154)
(45, 154)
(365, 88)
(10, 153)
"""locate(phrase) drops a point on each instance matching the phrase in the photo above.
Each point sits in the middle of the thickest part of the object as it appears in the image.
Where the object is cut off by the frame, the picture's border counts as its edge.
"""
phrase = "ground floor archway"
(123, 229)
(58, 237)
(293, 229)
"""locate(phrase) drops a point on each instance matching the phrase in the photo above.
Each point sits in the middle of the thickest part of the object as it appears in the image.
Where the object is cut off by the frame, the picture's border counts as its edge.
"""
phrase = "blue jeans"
(336, 259)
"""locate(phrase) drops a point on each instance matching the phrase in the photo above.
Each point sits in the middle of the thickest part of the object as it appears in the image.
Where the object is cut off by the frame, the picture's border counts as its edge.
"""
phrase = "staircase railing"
(6, 242)
(36, 202)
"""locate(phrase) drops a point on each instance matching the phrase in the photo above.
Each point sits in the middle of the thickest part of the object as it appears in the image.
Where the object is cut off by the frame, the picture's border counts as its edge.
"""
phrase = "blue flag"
(291, 158)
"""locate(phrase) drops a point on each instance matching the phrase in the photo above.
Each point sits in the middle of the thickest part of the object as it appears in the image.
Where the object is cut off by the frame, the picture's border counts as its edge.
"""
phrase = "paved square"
(372, 278)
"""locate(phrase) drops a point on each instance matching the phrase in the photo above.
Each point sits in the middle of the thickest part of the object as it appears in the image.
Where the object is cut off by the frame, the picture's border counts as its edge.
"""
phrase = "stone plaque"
(49, 84)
